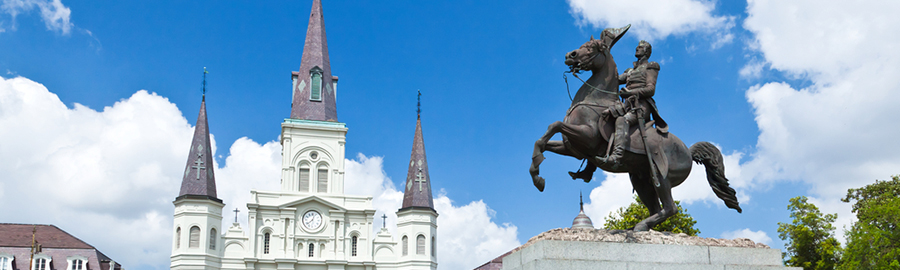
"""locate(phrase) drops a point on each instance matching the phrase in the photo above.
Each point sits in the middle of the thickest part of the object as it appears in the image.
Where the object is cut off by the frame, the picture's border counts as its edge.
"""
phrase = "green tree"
(873, 241)
(810, 240)
(627, 217)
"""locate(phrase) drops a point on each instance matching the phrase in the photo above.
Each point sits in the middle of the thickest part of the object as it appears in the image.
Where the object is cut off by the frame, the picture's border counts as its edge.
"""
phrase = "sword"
(641, 124)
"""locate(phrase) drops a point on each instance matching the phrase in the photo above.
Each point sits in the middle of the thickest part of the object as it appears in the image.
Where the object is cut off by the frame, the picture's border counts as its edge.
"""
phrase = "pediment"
(294, 203)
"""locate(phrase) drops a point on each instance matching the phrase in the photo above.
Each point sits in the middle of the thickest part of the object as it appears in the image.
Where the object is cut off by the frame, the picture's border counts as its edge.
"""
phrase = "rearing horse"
(586, 131)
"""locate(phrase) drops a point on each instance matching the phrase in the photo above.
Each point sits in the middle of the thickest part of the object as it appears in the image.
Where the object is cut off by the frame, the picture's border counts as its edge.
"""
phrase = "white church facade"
(309, 223)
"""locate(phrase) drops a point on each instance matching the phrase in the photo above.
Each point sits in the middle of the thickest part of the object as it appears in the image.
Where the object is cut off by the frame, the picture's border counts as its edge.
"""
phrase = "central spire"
(314, 94)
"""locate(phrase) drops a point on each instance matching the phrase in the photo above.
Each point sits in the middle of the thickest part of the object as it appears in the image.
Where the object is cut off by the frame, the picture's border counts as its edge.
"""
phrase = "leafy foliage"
(810, 240)
(873, 242)
(627, 217)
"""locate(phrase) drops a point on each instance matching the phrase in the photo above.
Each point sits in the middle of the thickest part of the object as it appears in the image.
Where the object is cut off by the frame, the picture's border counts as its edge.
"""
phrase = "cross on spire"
(384, 221)
(420, 178)
(198, 164)
(235, 214)
(204, 83)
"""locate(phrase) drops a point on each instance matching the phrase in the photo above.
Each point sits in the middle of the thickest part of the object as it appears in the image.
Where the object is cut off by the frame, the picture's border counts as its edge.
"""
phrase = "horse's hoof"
(581, 175)
(538, 183)
(641, 227)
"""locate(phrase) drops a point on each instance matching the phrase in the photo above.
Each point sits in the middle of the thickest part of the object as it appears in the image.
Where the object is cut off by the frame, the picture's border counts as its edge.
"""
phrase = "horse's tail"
(707, 154)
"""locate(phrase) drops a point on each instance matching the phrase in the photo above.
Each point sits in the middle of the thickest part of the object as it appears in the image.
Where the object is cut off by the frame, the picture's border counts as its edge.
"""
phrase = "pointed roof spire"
(198, 178)
(314, 93)
(418, 184)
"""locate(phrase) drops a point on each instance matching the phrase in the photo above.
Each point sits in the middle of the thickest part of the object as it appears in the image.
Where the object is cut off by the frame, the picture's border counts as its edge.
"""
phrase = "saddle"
(655, 138)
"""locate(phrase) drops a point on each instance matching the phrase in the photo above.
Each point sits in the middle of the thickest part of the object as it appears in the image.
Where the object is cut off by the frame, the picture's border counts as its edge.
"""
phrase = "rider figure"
(640, 85)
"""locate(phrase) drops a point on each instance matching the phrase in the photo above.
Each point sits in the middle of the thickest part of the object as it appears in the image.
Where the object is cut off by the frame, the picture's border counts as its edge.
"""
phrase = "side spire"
(582, 221)
(418, 183)
(199, 178)
(314, 96)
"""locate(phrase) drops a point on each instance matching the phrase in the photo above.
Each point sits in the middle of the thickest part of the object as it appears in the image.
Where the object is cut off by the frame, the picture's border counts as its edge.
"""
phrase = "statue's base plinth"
(601, 249)
(554, 254)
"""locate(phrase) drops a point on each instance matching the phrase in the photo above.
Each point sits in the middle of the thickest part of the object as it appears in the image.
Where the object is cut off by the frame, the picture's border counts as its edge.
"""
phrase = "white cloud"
(55, 15)
(655, 19)
(756, 236)
(466, 235)
(837, 131)
(615, 192)
(104, 176)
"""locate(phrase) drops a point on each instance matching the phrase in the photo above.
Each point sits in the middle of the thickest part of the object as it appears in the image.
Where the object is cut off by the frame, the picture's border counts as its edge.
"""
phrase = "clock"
(312, 220)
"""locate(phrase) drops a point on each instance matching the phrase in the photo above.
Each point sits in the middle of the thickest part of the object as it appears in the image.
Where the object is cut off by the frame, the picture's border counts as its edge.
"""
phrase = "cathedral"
(310, 223)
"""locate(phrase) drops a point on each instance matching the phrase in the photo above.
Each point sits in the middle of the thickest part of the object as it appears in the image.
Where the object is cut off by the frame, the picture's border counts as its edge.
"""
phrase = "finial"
(204, 83)
(384, 221)
(580, 201)
(235, 214)
(419, 105)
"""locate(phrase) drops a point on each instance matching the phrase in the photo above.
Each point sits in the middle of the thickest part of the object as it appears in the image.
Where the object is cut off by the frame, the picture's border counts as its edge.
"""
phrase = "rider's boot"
(619, 147)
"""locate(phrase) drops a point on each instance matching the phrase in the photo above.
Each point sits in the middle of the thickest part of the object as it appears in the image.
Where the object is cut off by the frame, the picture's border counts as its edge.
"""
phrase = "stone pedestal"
(575, 249)
(574, 255)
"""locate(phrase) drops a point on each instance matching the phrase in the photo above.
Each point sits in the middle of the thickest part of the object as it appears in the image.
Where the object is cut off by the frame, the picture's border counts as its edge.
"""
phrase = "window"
(40, 264)
(178, 237)
(323, 179)
(433, 247)
(5, 263)
(212, 239)
(266, 243)
(304, 179)
(353, 246)
(312, 250)
(405, 245)
(420, 244)
(315, 89)
(194, 237)
(77, 264)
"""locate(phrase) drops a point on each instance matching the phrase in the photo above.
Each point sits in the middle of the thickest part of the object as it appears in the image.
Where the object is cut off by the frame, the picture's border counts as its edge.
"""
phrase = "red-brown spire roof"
(417, 192)
(199, 178)
(315, 59)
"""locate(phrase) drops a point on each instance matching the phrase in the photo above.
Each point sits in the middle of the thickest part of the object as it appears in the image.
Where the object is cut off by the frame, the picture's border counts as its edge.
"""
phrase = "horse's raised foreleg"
(580, 133)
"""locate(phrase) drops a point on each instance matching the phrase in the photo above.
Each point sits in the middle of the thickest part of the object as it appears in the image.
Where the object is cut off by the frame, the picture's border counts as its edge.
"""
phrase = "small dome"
(582, 221)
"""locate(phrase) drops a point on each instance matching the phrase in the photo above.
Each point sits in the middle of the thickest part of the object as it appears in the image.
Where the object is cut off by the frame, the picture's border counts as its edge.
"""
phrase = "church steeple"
(418, 183)
(198, 178)
(314, 92)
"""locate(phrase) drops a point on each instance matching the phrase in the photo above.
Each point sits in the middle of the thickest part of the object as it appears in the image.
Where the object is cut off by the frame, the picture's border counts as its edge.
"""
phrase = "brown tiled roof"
(49, 236)
(315, 54)
(417, 192)
(199, 178)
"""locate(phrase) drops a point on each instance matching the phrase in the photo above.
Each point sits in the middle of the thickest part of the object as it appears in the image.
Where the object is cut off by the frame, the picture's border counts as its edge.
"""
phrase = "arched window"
(212, 238)
(77, 264)
(304, 178)
(41, 264)
(433, 247)
(353, 246)
(194, 237)
(312, 250)
(405, 245)
(266, 243)
(420, 244)
(315, 89)
(322, 179)
(178, 237)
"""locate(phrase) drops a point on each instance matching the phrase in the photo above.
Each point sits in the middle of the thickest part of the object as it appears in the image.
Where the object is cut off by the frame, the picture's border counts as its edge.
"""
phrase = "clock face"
(312, 220)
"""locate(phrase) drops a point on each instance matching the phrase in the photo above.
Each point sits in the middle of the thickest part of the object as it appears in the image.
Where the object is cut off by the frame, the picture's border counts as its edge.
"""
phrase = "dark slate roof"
(15, 239)
(199, 178)
(49, 236)
(417, 193)
(315, 54)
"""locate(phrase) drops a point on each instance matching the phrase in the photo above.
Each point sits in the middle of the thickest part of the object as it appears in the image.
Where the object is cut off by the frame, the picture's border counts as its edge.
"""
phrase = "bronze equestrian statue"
(655, 167)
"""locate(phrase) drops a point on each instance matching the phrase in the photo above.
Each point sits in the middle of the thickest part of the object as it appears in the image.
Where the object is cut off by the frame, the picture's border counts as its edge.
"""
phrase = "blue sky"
(775, 86)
